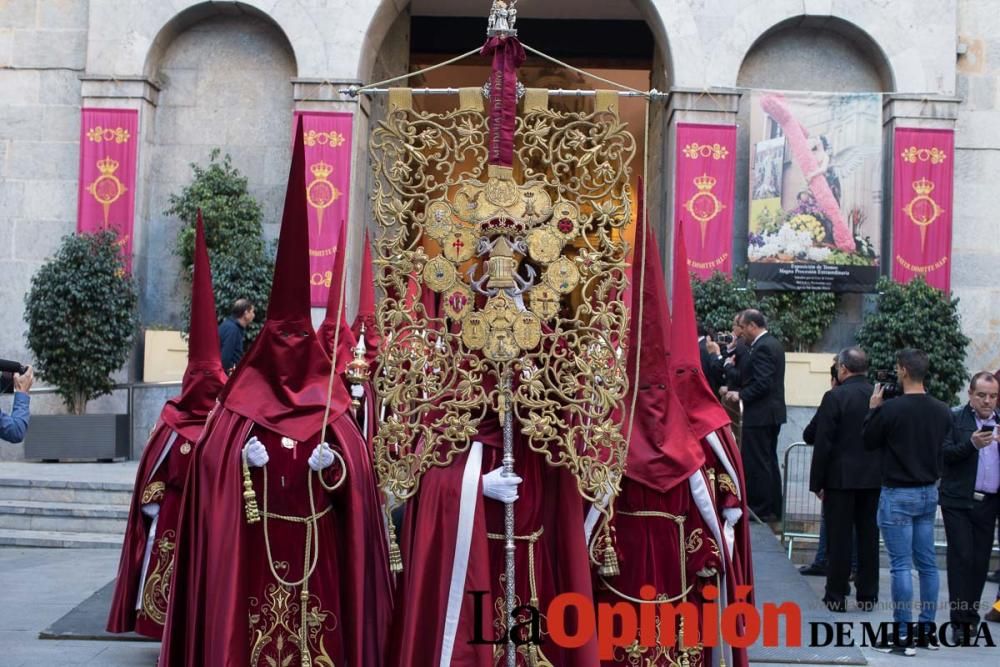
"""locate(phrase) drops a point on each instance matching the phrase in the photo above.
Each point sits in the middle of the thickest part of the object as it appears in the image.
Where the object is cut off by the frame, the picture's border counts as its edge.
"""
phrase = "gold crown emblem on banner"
(705, 182)
(107, 165)
(923, 186)
(321, 170)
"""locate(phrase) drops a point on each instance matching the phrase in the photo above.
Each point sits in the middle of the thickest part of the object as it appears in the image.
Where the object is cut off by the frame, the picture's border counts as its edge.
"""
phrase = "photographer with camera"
(844, 479)
(970, 501)
(909, 431)
(17, 378)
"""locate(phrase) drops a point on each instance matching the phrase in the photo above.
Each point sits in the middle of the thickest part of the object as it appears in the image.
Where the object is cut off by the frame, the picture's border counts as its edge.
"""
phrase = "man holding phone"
(969, 499)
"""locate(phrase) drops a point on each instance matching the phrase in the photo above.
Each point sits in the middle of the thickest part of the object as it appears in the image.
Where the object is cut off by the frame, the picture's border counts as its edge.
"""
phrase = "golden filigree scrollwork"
(492, 273)
(275, 639)
(156, 590)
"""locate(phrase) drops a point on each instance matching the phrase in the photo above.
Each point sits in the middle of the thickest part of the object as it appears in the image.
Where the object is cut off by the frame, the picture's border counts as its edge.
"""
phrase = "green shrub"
(82, 317)
(918, 315)
(797, 319)
(241, 264)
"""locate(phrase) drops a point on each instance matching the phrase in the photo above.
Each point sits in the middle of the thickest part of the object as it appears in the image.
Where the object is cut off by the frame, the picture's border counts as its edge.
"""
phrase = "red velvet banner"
(703, 195)
(108, 160)
(923, 174)
(327, 137)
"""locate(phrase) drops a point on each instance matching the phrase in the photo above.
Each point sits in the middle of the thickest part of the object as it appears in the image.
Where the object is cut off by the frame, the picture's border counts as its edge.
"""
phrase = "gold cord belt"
(532, 540)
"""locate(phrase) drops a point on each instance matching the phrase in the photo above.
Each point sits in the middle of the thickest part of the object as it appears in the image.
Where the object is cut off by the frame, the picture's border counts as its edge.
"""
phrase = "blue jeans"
(906, 518)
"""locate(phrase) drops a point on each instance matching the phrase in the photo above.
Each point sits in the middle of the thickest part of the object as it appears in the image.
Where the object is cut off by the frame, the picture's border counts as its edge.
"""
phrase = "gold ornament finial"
(357, 371)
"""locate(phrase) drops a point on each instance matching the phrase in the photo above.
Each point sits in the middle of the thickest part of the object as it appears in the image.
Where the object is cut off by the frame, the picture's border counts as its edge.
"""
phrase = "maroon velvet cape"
(183, 416)
(549, 500)
(705, 412)
(663, 454)
(227, 609)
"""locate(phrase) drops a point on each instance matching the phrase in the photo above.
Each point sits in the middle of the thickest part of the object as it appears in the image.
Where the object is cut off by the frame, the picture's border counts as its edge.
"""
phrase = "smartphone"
(986, 428)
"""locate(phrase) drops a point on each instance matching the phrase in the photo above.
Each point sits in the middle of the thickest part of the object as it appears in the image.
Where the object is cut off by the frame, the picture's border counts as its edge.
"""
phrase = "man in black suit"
(969, 498)
(762, 392)
(843, 477)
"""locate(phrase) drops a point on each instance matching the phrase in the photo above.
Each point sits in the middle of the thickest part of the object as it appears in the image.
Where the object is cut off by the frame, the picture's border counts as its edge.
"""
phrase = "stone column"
(685, 105)
(139, 93)
(918, 111)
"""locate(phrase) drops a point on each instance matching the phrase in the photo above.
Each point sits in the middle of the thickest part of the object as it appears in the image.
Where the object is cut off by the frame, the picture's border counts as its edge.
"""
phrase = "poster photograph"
(815, 191)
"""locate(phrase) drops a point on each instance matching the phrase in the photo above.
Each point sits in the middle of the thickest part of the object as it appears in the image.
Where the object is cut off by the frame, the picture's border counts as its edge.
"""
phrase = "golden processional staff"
(515, 224)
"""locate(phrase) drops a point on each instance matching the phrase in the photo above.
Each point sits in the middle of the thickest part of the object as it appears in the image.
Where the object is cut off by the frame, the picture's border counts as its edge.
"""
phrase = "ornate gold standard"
(527, 267)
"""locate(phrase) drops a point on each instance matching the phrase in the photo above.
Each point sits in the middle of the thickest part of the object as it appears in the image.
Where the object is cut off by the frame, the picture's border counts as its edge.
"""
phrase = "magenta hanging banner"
(704, 188)
(108, 159)
(923, 180)
(327, 138)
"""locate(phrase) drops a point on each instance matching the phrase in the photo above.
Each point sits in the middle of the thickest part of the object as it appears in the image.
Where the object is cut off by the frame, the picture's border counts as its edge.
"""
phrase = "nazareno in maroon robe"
(145, 570)
(237, 598)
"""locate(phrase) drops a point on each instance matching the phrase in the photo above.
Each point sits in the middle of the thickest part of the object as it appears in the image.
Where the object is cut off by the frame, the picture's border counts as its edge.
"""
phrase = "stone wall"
(976, 244)
(225, 83)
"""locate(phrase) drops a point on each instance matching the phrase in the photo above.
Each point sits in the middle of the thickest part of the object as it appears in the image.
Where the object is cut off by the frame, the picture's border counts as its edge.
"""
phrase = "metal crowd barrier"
(799, 503)
(130, 391)
(802, 504)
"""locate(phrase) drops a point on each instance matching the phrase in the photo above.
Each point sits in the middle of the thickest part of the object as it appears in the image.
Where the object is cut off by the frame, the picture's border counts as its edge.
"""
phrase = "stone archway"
(225, 82)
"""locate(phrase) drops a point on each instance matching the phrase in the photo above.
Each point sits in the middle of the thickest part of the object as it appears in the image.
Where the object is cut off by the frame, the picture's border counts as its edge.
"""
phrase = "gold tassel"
(610, 566)
(395, 557)
(249, 497)
(306, 659)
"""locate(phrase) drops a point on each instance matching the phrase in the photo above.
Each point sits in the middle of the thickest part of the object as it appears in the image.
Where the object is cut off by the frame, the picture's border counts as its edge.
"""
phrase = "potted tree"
(918, 315)
(81, 312)
(241, 264)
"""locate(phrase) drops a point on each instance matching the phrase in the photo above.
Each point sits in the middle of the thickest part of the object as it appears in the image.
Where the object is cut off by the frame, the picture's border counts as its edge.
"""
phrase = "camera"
(889, 382)
(833, 373)
(724, 339)
(7, 371)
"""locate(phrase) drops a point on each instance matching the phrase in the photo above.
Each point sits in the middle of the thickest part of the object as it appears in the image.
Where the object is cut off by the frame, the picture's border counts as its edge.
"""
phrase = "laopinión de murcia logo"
(572, 620)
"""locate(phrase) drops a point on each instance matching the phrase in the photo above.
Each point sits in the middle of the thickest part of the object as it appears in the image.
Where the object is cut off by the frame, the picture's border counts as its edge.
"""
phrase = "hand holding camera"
(24, 380)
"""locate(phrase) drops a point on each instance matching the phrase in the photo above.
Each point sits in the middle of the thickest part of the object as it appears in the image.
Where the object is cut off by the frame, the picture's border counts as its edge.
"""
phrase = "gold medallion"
(565, 218)
(474, 331)
(438, 224)
(186, 448)
(501, 192)
(439, 274)
(501, 346)
(543, 301)
(544, 245)
(288, 443)
(459, 245)
(527, 331)
(457, 301)
(562, 276)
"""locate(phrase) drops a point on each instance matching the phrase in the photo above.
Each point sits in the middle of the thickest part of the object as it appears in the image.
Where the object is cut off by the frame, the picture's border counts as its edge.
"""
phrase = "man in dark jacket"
(844, 478)
(762, 392)
(909, 431)
(231, 333)
(969, 498)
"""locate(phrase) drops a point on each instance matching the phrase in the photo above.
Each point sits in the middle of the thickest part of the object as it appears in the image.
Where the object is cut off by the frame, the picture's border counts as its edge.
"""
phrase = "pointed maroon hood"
(282, 381)
(704, 411)
(663, 451)
(203, 378)
(366, 306)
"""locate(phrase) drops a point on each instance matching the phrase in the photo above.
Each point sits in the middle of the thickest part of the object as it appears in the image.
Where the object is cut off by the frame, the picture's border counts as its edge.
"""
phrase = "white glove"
(706, 572)
(501, 488)
(357, 390)
(256, 453)
(732, 515)
(151, 509)
(321, 458)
